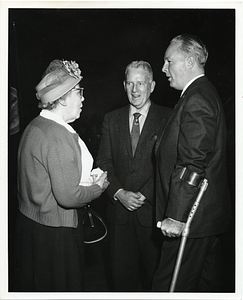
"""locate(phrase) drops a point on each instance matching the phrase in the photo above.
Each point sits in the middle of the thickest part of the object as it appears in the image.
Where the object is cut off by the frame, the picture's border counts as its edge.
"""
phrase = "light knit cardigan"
(49, 172)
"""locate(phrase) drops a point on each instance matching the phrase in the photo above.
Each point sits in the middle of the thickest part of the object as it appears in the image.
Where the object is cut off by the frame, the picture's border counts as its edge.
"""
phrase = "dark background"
(103, 42)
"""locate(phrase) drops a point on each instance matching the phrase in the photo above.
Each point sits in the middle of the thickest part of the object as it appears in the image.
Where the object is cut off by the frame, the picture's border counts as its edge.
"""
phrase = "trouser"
(200, 270)
(134, 254)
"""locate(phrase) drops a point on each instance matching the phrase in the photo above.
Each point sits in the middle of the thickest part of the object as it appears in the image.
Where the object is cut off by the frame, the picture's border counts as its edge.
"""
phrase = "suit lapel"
(180, 104)
(124, 131)
(147, 131)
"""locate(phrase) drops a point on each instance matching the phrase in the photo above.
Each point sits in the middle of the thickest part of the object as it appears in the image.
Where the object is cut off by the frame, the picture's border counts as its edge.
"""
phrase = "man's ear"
(152, 86)
(190, 62)
(124, 84)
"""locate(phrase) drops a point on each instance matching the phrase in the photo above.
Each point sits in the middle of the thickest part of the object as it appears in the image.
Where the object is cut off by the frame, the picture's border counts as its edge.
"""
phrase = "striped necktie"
(135, 132)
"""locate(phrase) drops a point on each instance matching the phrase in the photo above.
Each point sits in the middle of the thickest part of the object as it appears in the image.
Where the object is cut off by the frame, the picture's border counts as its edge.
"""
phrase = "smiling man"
(127, 153)
(193, 147)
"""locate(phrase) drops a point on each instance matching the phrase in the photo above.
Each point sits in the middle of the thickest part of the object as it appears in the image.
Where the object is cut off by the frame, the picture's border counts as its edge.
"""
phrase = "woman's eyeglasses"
(80, 90)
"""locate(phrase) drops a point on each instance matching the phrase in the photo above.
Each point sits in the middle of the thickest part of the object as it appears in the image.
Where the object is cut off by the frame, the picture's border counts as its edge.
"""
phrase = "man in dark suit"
(131, 173)
(191, 148)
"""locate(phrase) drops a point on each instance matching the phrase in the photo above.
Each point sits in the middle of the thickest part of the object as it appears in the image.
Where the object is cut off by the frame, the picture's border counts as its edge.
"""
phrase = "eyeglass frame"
(81, 91)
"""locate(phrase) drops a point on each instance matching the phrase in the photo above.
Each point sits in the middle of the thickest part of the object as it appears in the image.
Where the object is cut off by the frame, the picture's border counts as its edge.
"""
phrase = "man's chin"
(174, 86)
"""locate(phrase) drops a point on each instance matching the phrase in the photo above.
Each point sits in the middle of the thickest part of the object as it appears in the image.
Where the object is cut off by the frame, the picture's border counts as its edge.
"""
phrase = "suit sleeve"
(197, 132)
(104, 158)
(147, 190)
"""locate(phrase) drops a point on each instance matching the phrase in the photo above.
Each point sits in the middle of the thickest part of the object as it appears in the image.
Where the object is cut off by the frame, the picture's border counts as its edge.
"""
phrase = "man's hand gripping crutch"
(179, 228)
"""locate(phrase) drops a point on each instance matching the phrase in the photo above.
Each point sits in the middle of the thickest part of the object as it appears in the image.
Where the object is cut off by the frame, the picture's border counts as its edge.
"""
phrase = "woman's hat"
(59, 78)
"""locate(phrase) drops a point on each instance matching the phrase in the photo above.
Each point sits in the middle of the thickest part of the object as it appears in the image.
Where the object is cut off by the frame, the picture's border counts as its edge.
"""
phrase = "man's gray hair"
(192, 45)
(140, 64)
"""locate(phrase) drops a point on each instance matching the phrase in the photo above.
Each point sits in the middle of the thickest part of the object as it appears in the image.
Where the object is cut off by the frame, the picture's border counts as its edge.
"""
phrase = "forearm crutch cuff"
(190, 177)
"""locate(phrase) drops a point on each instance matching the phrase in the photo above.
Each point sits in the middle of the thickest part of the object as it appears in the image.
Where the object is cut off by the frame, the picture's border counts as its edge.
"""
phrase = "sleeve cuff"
(114, 197)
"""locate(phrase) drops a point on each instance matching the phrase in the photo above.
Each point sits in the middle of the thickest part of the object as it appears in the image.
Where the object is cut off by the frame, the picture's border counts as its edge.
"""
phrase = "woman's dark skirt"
(48, 259)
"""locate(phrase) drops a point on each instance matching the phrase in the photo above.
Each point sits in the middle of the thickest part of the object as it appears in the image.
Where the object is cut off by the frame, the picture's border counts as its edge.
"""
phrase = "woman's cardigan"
(49, 173)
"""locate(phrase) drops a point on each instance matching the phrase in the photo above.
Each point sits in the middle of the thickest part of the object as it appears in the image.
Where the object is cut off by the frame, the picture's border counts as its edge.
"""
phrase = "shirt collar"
(143, 111)
(190, 82)
(54, 117)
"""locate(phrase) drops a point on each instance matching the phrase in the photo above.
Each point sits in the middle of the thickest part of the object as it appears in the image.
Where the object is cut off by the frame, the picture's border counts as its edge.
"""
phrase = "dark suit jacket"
(125, 171)
(194, 137)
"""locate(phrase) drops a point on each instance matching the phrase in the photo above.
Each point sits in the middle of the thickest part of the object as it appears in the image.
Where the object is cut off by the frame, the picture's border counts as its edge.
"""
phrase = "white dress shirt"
(143, 111)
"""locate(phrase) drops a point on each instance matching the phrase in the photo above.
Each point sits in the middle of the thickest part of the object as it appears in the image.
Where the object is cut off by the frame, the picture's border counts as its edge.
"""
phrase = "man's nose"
(165, 67)
(134, 87)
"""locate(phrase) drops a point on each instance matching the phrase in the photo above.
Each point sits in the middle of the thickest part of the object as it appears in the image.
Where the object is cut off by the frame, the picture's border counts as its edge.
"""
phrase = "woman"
(54, 182)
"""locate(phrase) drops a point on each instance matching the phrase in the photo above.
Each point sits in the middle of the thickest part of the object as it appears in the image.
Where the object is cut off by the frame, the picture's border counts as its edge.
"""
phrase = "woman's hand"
(102, 181)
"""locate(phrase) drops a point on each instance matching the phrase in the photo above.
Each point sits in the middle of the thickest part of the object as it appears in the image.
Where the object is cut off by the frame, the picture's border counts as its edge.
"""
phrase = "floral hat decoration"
(59, 78)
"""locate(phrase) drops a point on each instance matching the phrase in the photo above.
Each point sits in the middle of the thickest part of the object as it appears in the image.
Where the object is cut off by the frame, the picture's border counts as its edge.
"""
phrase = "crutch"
(203, 186)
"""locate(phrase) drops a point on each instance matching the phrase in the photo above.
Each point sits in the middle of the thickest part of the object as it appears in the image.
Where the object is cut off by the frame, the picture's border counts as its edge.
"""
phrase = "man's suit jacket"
(125, 171)
(194, 137)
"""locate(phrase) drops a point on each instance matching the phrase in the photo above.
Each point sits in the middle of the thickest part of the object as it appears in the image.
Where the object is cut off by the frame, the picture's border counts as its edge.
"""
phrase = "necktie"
(135, 133)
